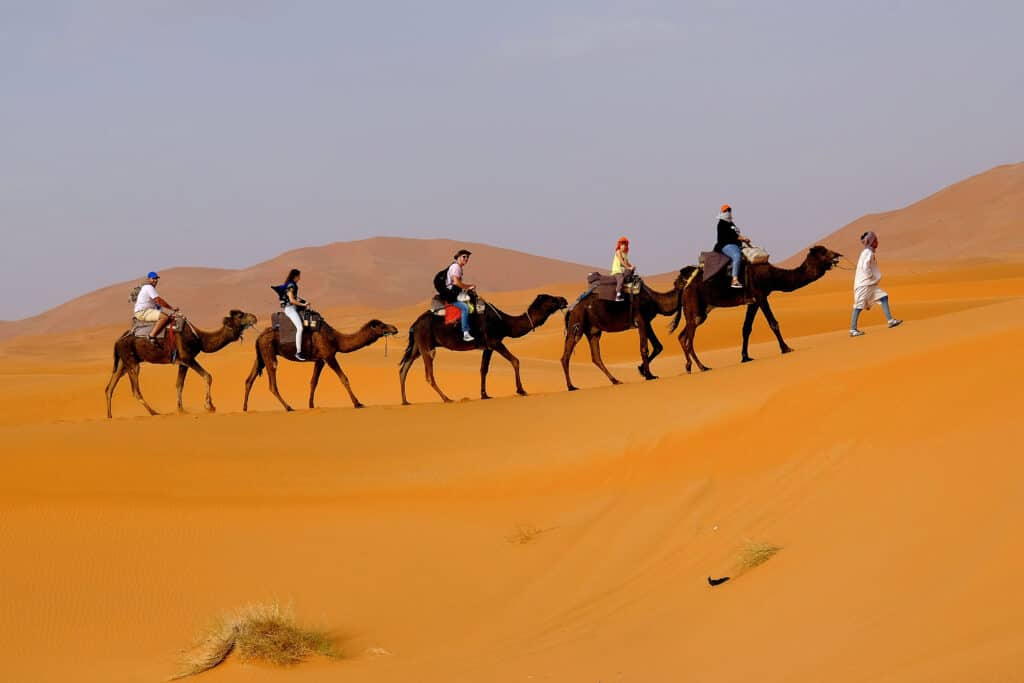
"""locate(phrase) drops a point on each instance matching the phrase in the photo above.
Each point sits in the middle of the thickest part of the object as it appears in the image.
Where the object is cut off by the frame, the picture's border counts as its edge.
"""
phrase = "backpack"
(133, 296)
(441, 284)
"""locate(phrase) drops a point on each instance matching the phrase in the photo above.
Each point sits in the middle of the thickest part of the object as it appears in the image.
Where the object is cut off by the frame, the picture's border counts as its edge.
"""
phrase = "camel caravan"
(734, 273)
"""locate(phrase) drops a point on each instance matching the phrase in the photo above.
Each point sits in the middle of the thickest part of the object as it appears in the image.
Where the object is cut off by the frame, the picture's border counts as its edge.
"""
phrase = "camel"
(131, 351)
(591, 317)
(761, 279)
(324, 343)
(430, 331)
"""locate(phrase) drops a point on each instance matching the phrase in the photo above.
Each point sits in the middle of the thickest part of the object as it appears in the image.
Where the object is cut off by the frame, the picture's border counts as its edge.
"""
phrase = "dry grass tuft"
(525, 533)
(263, 632)
(754, 553)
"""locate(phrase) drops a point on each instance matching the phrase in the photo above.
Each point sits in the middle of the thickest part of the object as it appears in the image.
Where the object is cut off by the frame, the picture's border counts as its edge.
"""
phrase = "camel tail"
(684, 278)
(259, 363)
(117, 360)
(410, 348)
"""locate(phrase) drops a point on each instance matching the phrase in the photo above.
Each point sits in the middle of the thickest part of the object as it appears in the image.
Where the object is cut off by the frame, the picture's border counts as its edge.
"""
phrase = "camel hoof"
(704, 369)
(289, 409)
(746, 359)
(406, 403)
(484, 397)
(522, 392)
(649, 376)
(787, 350)
(572, 388)
(615, 381)
(358, 405)
(211, 409)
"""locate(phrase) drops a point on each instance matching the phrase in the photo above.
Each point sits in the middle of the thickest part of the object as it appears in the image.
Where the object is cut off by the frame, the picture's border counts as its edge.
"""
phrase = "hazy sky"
(138, 135)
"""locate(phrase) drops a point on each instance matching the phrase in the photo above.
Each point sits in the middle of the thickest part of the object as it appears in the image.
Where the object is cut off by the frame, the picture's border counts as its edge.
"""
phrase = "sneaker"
(618, 297)
(856, 333)
(895, 323)
(299, 356)
(466, 336)
(736, 285)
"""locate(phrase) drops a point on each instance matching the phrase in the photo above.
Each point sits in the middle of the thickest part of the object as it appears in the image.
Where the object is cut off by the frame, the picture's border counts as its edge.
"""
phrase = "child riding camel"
(621, 265)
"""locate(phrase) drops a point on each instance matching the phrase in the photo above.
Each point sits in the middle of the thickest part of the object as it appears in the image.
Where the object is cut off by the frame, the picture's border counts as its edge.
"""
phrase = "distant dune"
(382, 272)
(978, 218)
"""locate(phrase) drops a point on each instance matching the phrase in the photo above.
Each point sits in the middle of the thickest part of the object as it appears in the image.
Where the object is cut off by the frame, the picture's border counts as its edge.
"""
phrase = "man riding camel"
(455, 285)
(150, 307)
(730, 241)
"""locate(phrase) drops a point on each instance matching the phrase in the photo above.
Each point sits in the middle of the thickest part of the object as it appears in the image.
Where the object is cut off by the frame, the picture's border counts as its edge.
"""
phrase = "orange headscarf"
(622, 240)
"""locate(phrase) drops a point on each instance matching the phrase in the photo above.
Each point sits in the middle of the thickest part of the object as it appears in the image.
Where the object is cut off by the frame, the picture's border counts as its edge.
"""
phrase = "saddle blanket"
(141, 329)
(283, 324)
(604, 285)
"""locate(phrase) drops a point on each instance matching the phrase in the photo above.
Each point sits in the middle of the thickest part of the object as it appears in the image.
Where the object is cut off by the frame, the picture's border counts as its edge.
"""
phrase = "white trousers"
(293, 315)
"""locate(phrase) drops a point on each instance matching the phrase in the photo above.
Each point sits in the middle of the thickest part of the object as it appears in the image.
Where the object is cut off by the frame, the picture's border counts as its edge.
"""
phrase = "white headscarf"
(725, 216)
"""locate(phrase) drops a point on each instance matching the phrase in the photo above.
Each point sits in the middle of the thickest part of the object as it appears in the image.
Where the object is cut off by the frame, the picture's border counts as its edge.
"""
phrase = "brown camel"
(131, 351)
(324, 343)
(762, 279)
(591, 317)
(430, 331)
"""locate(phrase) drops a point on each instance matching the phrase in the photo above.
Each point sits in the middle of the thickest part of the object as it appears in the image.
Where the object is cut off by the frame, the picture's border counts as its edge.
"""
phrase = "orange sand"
(884, 466)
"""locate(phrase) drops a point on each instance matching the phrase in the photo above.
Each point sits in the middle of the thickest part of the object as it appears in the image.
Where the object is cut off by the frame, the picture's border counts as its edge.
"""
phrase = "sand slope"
(981, 217)
(883, 465)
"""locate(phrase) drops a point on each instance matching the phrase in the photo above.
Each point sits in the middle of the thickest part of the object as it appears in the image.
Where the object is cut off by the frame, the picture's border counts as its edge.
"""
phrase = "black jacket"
(728, 233)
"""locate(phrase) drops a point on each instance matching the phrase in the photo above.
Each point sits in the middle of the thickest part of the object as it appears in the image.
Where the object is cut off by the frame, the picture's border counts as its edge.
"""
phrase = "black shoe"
(299, 356)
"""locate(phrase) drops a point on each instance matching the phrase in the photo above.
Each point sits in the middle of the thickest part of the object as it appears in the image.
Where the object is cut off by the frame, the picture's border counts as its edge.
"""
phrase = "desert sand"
(555, 537)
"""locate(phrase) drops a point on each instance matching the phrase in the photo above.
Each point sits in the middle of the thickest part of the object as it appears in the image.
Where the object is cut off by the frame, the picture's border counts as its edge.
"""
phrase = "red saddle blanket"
(452, 314)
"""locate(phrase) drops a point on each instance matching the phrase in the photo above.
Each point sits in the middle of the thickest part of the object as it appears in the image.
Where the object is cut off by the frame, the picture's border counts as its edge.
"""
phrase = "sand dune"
(881, 465)
(378, 273)
(977, 218)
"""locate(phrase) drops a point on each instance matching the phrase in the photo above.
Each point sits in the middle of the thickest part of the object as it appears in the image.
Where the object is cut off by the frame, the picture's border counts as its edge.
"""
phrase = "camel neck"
(790, 279)
(215, 341)
(353, 342)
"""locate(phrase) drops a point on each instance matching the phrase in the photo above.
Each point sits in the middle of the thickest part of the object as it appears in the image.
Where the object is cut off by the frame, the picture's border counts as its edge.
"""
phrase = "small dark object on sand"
(715, 582)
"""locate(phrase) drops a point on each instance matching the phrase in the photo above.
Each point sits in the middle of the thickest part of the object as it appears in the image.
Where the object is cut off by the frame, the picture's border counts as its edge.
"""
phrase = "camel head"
(546, 304)
(239, 320)
(380, 329)
(823, 256)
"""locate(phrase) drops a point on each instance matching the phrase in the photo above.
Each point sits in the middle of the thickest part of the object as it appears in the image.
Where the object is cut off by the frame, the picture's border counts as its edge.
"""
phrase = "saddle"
(604, 285)
(451, 313)
(285, 328)
(713, 262)
(142, 329)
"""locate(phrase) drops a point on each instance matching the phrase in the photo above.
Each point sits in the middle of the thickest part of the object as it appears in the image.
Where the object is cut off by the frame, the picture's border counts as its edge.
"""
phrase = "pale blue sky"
(140, 135)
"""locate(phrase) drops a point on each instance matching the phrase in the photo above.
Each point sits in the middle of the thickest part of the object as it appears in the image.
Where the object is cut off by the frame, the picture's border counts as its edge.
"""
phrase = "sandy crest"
(882, 465)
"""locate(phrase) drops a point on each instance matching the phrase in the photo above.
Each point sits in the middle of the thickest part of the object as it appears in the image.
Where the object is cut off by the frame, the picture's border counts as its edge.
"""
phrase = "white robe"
(865, 283)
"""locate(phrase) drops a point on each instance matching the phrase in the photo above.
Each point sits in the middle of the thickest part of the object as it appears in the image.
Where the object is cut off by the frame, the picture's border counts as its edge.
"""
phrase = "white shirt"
(147, 298)
(868, 272)
(454, 271)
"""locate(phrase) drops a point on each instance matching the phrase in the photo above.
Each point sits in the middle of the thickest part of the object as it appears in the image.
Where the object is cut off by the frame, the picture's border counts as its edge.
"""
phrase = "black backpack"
(441, 285)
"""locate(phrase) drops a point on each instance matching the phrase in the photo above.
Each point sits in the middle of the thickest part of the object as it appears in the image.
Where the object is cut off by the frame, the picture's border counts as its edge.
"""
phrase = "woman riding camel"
(291, 303)
(621, 264)
(729, 241)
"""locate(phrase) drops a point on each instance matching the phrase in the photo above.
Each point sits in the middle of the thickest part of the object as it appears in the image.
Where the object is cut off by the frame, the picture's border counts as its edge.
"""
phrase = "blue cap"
(153, 274)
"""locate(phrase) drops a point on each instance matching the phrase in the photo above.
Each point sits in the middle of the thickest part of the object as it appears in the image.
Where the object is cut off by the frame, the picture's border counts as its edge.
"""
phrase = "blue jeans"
(885, 309)
(464, 309)
(733, 252)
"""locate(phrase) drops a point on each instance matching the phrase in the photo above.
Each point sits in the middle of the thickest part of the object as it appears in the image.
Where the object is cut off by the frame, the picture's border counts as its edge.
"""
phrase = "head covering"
(622, 240)
(868, 238)
(153, 275)
(725, 207)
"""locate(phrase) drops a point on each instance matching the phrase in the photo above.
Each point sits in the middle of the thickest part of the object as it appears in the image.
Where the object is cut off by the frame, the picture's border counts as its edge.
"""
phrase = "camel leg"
(774, 324)
(403, 371)
(332, 363)
(133, 377)
(646, 332)
(249, 381)
(428, 366)
(595, 355)
(485, 364)
(119, 372)
(572, 337)
(748, 325)
(657, 348)
(207, 377)
(318, 367)
(686, 340)
(180, 385)
(507, 355)
(272, 380)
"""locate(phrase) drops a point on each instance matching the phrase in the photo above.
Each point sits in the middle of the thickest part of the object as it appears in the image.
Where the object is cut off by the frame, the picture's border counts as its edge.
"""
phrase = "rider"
(150, 307)
(291, 303)
(729, 240)
(455, 285)
(621, 264)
